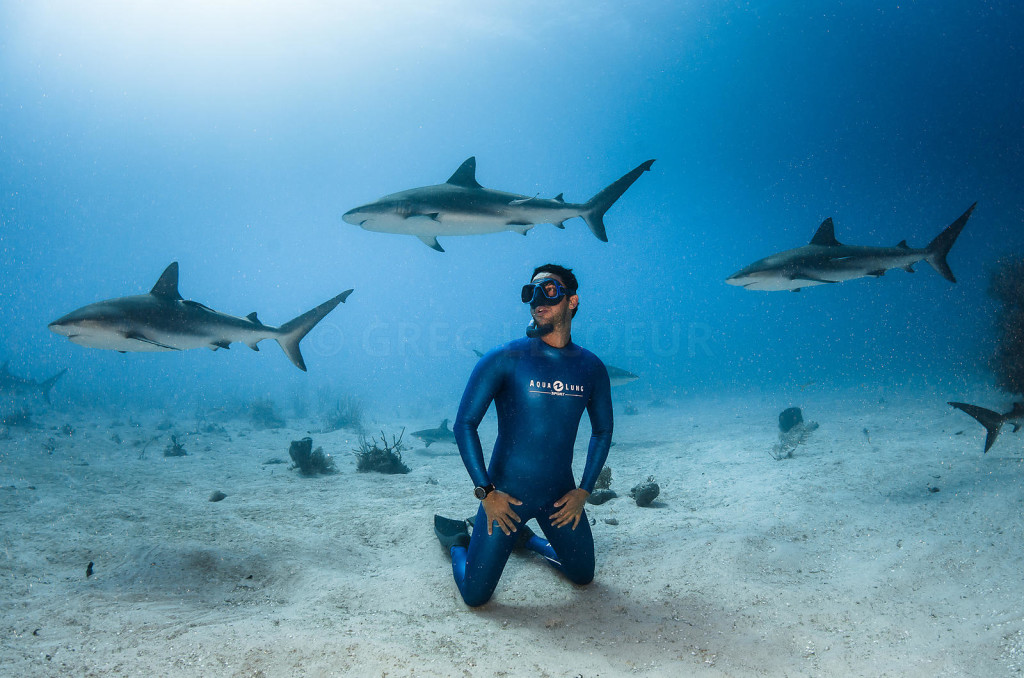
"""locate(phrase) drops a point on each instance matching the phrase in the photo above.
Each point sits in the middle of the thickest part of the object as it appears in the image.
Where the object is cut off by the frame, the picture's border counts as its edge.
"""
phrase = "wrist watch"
(482, 492)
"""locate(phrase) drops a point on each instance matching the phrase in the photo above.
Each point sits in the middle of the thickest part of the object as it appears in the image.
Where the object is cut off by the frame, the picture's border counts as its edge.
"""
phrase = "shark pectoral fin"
(427, 216)
(220, 344)
(431, 242)
(810, 278)
(909, 268)
(1016, 427)
(146, 340)
(877, 273)
(798, 289)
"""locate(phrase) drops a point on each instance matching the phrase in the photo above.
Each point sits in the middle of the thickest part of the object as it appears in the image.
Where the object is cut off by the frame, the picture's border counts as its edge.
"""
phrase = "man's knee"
(475, 598)
(581, 576)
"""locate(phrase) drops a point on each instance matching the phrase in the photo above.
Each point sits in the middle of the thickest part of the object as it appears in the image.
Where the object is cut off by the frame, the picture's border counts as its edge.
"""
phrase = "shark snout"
(356, 216)
(61, 327)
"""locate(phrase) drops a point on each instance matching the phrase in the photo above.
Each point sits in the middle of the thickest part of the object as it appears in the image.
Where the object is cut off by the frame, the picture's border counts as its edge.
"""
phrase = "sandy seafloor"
(841, 561)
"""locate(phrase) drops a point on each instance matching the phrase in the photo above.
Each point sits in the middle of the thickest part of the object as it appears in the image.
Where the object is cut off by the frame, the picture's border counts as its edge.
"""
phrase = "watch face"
(480, 492)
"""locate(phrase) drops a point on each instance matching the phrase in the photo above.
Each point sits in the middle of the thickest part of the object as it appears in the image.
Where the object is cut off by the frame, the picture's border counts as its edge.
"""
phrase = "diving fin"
(451, 533)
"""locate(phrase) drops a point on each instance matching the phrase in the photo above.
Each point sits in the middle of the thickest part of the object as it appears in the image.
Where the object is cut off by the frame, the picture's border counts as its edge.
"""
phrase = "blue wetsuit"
(539, 393)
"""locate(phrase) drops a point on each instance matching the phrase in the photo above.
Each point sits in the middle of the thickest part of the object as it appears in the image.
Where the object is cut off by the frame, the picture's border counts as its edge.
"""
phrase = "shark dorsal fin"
(903, 245)
(444, 425)
(252, 317)
(560, 197)
(825, 235)
(1018, 410)
(167, 285)
(465, 176)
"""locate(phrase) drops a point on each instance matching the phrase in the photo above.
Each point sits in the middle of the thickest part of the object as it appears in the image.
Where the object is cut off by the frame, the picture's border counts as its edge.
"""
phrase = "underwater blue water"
(232, 136)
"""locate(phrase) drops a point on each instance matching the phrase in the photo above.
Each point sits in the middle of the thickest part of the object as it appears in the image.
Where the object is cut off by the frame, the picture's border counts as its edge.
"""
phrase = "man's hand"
(570, 508)
(498, 507)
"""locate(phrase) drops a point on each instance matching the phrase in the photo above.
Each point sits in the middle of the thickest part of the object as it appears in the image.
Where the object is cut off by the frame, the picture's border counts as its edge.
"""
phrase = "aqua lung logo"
(555, 388)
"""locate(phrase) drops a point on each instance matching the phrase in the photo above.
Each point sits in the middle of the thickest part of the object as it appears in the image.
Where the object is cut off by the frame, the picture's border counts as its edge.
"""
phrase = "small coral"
(604, 479)
(311, 462)
(175, 449)
(646, 492)
(381, 457)
(791, 439)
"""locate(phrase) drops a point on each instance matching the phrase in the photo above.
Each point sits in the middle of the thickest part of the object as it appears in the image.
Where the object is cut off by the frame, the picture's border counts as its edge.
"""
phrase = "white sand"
(837, 562)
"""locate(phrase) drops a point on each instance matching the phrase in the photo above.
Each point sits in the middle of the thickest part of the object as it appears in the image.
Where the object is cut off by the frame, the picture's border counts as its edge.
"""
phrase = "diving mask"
(544, 292)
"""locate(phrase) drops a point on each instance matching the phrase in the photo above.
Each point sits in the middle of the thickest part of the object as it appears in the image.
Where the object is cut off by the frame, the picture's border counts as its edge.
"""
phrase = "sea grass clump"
(311, 462)
(345, 412)
(1007, 287)
(381, 457)
(264, 415)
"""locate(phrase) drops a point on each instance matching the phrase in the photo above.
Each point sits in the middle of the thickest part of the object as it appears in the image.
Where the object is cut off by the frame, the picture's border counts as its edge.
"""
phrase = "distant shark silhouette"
(461, 206)
(826, 260)
(441, 434)
(13, 386)
(163, 321)
(619, 376)
(992, 420)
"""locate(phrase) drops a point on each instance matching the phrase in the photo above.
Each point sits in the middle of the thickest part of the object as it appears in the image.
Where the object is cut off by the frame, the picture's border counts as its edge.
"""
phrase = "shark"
(441, 434)
(994, 421)
(619, 376)
(13, 386)
(163, 321)
(461, 206)
(825, 260)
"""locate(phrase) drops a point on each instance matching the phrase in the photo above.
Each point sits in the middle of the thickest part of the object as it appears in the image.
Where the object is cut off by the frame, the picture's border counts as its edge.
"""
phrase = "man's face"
(555, 314)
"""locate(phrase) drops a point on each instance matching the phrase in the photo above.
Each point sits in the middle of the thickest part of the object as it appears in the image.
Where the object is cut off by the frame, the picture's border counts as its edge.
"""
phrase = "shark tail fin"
(594, 209)
(939, 247)
(992, 421)
(293, 331)
(47, 385)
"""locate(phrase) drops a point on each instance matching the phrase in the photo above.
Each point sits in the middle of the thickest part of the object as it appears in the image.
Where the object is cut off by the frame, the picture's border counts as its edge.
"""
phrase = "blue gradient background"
(232, 136)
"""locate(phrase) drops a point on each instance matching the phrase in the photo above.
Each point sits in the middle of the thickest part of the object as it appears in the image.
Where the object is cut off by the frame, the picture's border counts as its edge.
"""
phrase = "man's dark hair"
(565, 274)
(562, 272)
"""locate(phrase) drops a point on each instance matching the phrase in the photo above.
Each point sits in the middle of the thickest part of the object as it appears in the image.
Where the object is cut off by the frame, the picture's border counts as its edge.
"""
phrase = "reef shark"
(461, 206)
(992, 420)
(12, 386)
(163, 321)
(826, 260)
(441, 434)
(618, 376)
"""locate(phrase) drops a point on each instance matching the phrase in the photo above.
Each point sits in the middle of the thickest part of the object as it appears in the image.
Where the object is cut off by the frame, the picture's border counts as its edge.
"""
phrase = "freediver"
(540, 385)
